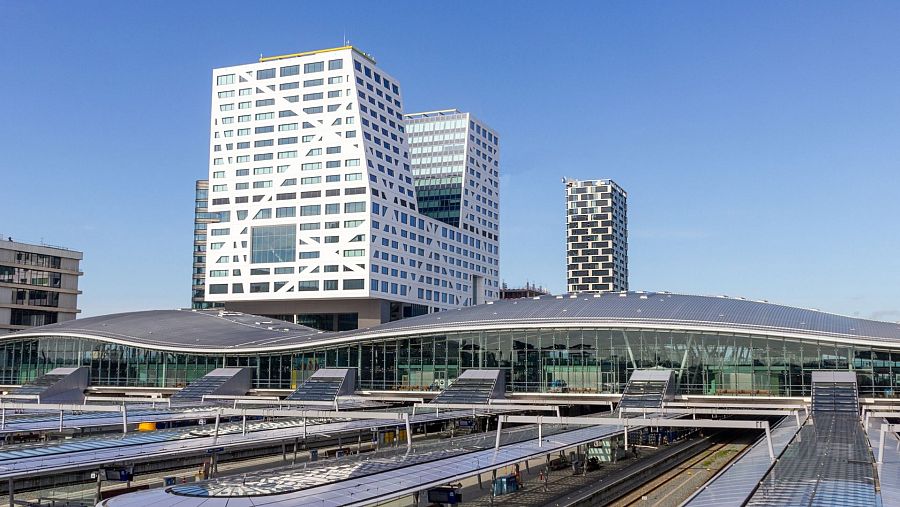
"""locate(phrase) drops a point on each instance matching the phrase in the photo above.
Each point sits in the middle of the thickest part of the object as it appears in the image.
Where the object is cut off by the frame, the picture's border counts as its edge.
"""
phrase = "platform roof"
(212, 331)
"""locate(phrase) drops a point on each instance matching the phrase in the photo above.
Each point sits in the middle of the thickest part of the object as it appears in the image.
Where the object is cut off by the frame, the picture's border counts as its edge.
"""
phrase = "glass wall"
(576, 360)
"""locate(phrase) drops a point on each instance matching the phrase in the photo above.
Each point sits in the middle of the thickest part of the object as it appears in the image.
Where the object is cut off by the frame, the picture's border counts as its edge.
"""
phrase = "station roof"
(214, 330)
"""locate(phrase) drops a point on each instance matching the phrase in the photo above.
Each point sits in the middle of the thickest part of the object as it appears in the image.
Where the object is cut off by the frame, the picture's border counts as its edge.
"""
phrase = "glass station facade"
(576, 360)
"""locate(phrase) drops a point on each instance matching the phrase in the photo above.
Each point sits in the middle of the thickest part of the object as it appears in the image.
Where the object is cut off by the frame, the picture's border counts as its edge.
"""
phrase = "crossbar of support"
(706, 411)
(321, 414)
(503, 406)
(644, 421)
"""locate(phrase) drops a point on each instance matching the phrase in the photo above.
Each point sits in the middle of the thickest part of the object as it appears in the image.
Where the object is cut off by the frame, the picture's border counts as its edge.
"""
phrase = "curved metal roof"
(212, 330)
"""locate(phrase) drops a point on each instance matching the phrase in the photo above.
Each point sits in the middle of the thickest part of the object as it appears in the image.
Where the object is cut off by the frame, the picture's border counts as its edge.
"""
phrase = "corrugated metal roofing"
(210, 329)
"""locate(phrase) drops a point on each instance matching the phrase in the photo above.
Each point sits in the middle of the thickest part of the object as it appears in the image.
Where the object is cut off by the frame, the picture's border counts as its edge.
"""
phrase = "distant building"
(202, 218)
(528, 291)
(596, 236)
(38, 285)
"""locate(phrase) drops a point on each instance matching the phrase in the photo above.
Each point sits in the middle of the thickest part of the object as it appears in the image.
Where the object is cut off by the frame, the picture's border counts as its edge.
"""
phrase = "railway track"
(673, 486)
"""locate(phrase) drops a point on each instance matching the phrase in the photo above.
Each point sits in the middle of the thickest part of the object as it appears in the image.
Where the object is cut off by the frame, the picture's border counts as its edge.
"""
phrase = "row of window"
(305, 285)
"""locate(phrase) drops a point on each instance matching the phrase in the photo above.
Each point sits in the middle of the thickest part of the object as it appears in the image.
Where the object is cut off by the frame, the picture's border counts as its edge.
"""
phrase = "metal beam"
(885, 427)
(642, 421)
(705, 411)
(321, 414)
(478, 406)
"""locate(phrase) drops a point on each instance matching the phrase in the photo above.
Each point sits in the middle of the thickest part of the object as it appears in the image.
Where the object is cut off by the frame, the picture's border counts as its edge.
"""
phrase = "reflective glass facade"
(588, 360)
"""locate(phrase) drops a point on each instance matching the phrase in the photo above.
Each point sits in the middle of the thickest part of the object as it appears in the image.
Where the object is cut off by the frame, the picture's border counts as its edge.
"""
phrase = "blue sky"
(758, 141)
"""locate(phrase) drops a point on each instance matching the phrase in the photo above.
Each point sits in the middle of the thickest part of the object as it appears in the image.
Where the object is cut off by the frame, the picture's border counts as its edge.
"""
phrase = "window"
(259, 287)
(220, 232)
(263, 214)
(334, 94)
(245, 91)
(289, 182)
(336, 80)
(313, 226)
(241, 186)
(354, 207)
(352, 176)
(289, 86)
(284, 271)
(285, 212)
(312, 82)
(332, 209)
(243, 132)
(354, 284)
(287, 154)
(262, 143)
(291, 70)
(350, 133)
(351, 162)
(263, 116)
(352, 223)
(311, 166)
(242, 172)
(227, 94)
(333, 107)
(313, 67)
(307, 139)
(312, 96)
(287, 126)
(273, 243)
(264, 130)
(219, 174)
(265, 74)
(331, 164)
(355, 191)
(227, 121)
(314, 152)
(218, 288)
(283, 168)
(262, 156)
(309, 255)
(265, 102)
(312, 110)
(218, 272)
(311, 181)
(225, 80)
(354, 253)
(286, 114)
(287, 140)
(219, 188)
(331, 284)
(308, 285)
(262, 184)
(262, 170)
(226, 107)
(332, 178)
(311, 210)
(332, 150)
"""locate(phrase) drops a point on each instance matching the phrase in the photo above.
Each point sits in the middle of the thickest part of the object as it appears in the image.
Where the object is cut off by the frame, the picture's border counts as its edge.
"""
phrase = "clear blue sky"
(759, 142)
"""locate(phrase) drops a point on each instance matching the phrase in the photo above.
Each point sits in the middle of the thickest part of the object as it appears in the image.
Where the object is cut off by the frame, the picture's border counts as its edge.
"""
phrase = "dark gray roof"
(216, 330)
(650, 308)
(202, 329)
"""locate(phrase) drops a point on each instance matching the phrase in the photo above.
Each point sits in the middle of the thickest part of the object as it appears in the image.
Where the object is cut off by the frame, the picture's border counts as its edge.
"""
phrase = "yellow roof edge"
(306, 53)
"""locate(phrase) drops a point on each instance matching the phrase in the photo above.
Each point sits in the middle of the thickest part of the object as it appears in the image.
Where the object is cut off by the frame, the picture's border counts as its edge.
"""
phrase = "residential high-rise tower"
(596, 236)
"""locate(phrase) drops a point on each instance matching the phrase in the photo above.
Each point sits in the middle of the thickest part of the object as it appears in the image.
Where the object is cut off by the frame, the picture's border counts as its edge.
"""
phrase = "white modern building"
(596, 236)
(311, 180)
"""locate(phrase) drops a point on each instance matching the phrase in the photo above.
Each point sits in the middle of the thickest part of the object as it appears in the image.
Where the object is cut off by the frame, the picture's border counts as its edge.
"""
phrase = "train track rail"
(669, 489)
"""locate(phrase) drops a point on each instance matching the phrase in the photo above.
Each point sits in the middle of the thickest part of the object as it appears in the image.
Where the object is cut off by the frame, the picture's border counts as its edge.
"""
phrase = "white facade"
(310, 174)
(456, 168)
(596, 236)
